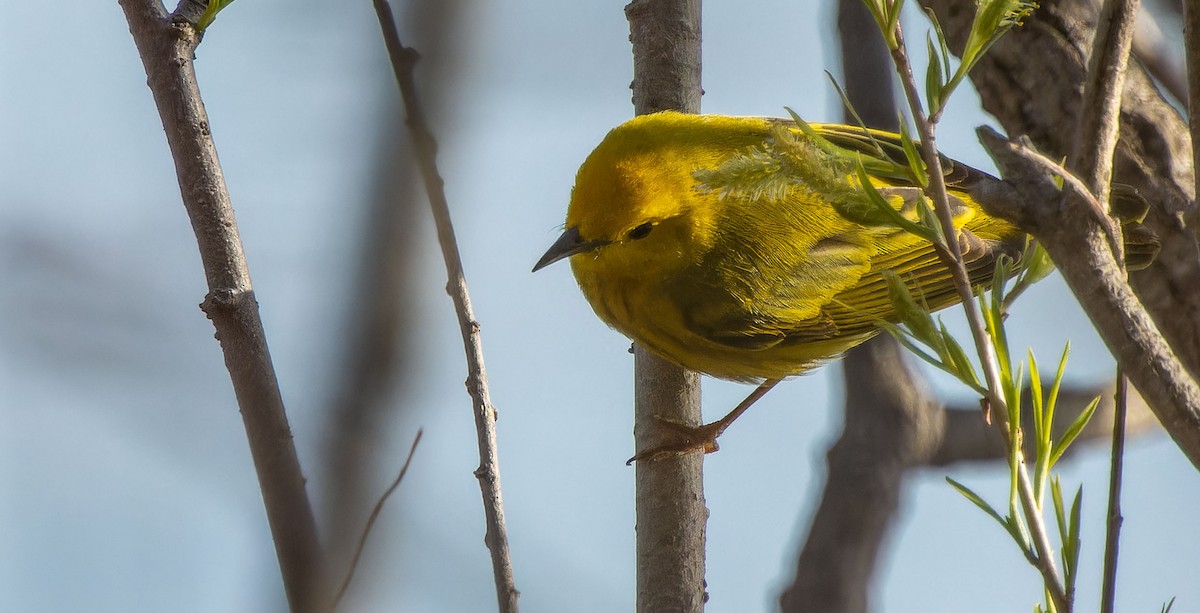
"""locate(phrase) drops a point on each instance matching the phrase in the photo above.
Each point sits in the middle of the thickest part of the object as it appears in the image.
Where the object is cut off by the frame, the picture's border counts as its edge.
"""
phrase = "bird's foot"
(680, 439)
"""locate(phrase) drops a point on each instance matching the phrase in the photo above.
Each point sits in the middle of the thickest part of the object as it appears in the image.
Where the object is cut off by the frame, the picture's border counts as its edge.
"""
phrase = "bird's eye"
(641, 231)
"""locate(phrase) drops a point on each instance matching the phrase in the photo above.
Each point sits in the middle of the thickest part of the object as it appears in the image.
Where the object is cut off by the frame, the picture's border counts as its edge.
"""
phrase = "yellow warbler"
(741, 247)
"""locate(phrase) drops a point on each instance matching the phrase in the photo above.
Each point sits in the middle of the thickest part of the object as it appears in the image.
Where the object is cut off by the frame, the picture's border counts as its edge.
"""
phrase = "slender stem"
(1099, 126)
(375, 511)
(403, 60)
(936, 190)
(1099, 123)
(167, 48)
(1112, 533)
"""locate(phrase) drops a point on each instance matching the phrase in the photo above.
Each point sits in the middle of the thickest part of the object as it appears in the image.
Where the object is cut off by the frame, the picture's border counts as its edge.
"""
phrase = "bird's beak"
(566, 246)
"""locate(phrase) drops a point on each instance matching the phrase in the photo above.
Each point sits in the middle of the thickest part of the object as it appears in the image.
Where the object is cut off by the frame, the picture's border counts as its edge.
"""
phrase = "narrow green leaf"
(1036, 400)
(882, 211)
(1005, 522)
(1073, 431)
(858, 120)
(916, 317)
(913, 154)
(955, 353)
(933, 78)
(210, 13)
(1052, 399)
(893, 19)
(1071, 562)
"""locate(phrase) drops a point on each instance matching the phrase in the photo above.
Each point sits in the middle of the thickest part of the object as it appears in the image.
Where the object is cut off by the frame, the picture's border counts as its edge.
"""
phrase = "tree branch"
(1191, 36)
(167, 44)
(671, 513)
(403, 60)
(890, 418)
(892, 423)
(1079, 246)
(1153, 155)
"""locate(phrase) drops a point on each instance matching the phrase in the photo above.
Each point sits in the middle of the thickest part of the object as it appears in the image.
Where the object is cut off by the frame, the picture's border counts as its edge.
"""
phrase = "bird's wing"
(786, 287)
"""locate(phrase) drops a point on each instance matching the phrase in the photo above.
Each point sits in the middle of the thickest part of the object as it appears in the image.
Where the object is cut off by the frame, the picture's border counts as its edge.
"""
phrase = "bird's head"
(635, 204)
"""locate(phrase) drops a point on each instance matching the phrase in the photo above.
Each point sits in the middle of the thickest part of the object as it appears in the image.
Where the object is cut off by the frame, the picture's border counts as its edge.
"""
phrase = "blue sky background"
(125, 480)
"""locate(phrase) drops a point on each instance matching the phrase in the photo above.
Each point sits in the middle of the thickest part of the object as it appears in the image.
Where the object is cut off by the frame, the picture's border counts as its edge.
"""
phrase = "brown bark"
(167, 48)
(671, 513)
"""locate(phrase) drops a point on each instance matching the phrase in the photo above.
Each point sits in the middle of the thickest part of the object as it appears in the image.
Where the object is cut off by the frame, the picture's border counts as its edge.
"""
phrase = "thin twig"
(1026, 150)
(1099, 123)
(362, 538)
(1112, 531)
(403, 60)
(1095, 144)
(936, 190)
(167, 48)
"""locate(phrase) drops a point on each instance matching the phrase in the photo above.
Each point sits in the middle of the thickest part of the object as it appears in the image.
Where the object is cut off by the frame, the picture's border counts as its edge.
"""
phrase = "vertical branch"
(671, 513)
(1191, 35)
(1096, 142)
(1108, 591)
(167, 48)
(891, 422)
(375, 356)
(1099, 124)
(1154, 156)
(951, 253)
(403, 60)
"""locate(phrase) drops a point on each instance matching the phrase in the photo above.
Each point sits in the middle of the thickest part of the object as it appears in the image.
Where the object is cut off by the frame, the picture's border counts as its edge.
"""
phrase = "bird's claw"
(680, 439)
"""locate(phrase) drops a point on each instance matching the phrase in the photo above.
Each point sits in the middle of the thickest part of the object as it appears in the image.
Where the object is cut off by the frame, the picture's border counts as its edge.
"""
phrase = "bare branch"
(167, 48)
(378, 508)
(1191, 35)
(403, 60)
(1113, 528)
(892, 423)
(1153, 155)
(1096, 136)
(890, 418)
(671, 514)
(1096, 140)
(1079, 246)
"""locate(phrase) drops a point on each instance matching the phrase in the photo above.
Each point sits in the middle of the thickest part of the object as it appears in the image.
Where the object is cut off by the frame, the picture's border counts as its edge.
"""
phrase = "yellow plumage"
(758, 285)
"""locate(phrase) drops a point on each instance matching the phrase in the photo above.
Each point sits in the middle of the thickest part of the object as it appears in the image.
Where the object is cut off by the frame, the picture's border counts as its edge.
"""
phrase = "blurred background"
(125, 478)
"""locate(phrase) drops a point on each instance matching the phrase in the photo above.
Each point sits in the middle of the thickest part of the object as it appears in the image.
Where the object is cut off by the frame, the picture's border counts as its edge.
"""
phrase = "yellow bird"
(702, 239)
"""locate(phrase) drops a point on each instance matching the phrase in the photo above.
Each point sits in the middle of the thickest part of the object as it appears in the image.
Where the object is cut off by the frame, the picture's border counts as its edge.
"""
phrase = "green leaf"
(955, 354)
(1036, 398)
(1052, 400)
(916, 317)
(933, 78)
(1071, 555)
(879, 211)
(858, 120)
(913, 155)
(210, 13)
(978, 501)
(1073, 430)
